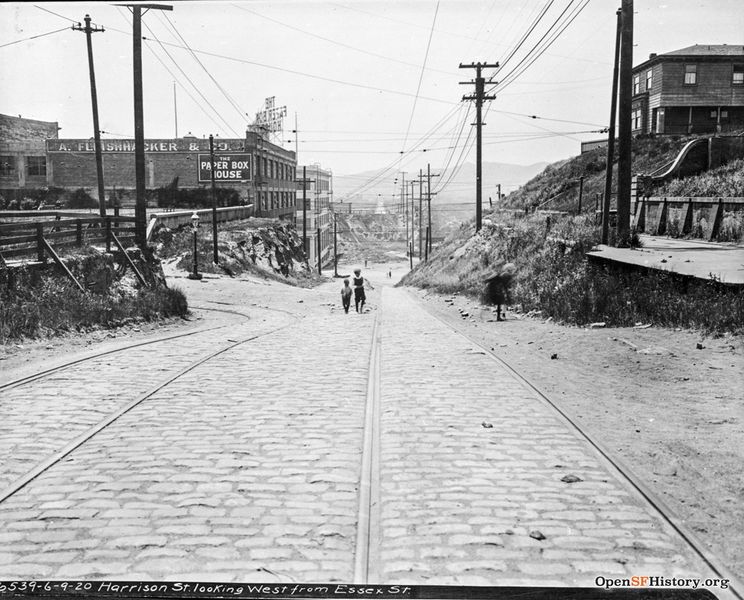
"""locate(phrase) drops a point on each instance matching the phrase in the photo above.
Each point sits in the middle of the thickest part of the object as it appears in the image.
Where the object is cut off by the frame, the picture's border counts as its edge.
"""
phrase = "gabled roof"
(708, 50)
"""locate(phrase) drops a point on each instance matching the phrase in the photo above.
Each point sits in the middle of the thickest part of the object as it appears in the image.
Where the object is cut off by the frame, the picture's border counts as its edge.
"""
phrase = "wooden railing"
(683, 215)
(34, 238)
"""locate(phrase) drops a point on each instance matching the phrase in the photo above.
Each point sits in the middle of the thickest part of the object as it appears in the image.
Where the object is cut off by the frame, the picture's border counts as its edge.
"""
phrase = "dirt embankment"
(666, 402)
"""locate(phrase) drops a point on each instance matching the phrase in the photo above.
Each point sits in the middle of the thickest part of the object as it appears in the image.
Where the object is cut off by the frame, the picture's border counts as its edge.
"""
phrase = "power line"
(336, 42)
(421, 75)
(309, 75)
(33, 37)
(51, 12)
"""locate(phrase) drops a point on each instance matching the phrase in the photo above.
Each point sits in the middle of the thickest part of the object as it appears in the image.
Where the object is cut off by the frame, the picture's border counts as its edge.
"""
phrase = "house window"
(714, 114)
(636, 84)
(7, 166)
(724, 114)
(36, 165)
(635, 118)
(649, 79)
(690, 74)
(738, 77)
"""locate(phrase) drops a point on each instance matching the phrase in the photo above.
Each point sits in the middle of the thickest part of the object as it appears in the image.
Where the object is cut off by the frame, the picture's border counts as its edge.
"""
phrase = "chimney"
(652, 55)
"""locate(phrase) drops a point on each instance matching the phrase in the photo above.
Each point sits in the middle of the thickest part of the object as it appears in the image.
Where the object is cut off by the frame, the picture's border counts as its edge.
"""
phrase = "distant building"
(319, 194)
(23, 160)
(698, 89)
(261, 172)
(593, 145)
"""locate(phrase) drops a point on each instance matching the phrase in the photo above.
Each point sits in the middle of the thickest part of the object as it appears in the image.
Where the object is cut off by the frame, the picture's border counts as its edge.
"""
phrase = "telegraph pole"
(140, 207)
(335, 248)
(479, 97)
(214, 200)
(625, 125)
(94, 101)
(581, 191)
(421, 212)
(404, 195)
(611, 136)
(428, 199)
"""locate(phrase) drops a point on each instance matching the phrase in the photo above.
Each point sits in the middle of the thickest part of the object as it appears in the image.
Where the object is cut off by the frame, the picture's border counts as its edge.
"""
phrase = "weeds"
(36, 304)
(553, 276)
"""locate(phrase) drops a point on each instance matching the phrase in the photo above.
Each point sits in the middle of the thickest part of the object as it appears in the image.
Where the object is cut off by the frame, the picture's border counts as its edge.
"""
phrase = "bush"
(81, 199)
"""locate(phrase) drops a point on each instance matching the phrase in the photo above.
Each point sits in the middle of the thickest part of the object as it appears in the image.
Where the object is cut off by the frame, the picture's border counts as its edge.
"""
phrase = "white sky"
(379, 45)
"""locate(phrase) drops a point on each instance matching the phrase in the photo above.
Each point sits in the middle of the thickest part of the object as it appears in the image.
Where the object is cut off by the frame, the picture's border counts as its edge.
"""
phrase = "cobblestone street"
(248, 466)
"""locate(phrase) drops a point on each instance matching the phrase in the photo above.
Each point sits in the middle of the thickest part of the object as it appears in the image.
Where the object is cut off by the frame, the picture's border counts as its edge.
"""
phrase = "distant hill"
(459, 190)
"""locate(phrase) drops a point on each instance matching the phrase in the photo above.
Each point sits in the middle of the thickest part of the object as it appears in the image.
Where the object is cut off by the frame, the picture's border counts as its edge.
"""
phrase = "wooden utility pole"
(421, 212)
(304, 181)
(413, 217)
(625, 125)
(404, 195)
(611, 136)
(94, 101)
(581, 191)
(335, 247)
(479, 97)
(140, 207)
(428, 201)
(215, 257)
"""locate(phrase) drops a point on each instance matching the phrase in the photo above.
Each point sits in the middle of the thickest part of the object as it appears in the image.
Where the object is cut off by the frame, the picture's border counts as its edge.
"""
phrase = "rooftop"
(708, 50)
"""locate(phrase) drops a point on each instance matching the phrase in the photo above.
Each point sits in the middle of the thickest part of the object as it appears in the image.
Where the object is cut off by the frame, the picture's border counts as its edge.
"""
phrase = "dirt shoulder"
(668, 408)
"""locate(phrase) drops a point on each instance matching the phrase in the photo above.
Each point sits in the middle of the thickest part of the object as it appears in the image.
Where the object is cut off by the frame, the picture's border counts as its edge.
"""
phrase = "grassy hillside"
(553, 276)
(727, 180)
(560, 181)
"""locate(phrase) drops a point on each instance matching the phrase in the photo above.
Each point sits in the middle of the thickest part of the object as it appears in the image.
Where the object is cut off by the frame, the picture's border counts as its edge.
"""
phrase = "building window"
(636, 84)
(649, 79)
(36, 166)
(636, 118)
(724, 114)
(7, 166)
(690, 74)
(738, 77)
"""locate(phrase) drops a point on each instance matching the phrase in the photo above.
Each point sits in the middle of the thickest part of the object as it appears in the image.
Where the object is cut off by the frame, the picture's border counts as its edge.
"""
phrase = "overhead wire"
(34, 37)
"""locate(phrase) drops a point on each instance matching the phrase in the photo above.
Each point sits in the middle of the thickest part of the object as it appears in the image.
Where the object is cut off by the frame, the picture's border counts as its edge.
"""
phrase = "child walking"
(346, 295)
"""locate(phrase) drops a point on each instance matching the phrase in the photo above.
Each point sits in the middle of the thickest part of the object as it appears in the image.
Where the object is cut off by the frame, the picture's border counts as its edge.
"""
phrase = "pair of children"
(358, 290)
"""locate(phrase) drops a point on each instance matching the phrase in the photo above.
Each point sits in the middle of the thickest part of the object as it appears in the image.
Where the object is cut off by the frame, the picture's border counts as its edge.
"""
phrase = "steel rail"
(52, 370)
(366, 556)
(667, 515)
(111, 418)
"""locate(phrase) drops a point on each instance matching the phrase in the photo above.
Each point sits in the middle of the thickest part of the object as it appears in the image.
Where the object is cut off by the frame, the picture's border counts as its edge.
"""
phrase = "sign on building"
(227, 167)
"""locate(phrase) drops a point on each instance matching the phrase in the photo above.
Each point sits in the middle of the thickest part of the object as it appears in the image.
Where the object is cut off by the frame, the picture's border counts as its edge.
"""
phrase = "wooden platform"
(690, 258)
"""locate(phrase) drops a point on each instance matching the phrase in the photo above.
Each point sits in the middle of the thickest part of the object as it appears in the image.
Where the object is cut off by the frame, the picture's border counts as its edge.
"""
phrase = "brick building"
(23, 161)
(698, 89)
(319, 195)
(261, 172)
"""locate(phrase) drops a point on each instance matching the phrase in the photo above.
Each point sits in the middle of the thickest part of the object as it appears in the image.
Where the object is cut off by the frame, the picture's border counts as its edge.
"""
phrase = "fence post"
(662, 220)
(78, 232)
(717, 218)
(687, 221)
(40, 242)
(108, 234)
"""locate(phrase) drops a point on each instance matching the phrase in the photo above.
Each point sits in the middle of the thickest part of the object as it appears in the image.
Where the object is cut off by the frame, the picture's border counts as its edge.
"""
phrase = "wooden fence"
(700, 216)
(38, 238)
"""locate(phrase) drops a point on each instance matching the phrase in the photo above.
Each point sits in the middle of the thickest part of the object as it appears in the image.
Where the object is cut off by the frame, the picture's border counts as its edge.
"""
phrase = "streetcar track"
(111, 418)
(664, 512)
(97, 354)
(367, 542)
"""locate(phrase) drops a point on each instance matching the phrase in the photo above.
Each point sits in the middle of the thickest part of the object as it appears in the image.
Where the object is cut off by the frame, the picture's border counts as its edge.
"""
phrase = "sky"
(372, 85)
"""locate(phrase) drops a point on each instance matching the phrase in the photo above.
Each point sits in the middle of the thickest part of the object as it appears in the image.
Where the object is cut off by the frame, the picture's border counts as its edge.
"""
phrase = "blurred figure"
(497, 288)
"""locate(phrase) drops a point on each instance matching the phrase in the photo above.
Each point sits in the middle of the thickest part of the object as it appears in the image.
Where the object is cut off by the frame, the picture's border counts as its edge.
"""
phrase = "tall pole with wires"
(479, 98)
(421, 212)
(611, 136)
(624, 124)
(94, 101)
(140, 207)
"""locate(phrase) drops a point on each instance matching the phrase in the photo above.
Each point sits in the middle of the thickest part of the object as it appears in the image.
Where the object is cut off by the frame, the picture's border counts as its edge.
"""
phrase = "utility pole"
(421, 212)
(335, 247)
(94, 101)
(304, 181)
(611, 136)
(404, 195)
(413, 218)
(140, 207)
(175, 109)
(479, 97)
(625, 131)
(581, 191)
(320, 260)
(214, 200)
(428, 199)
